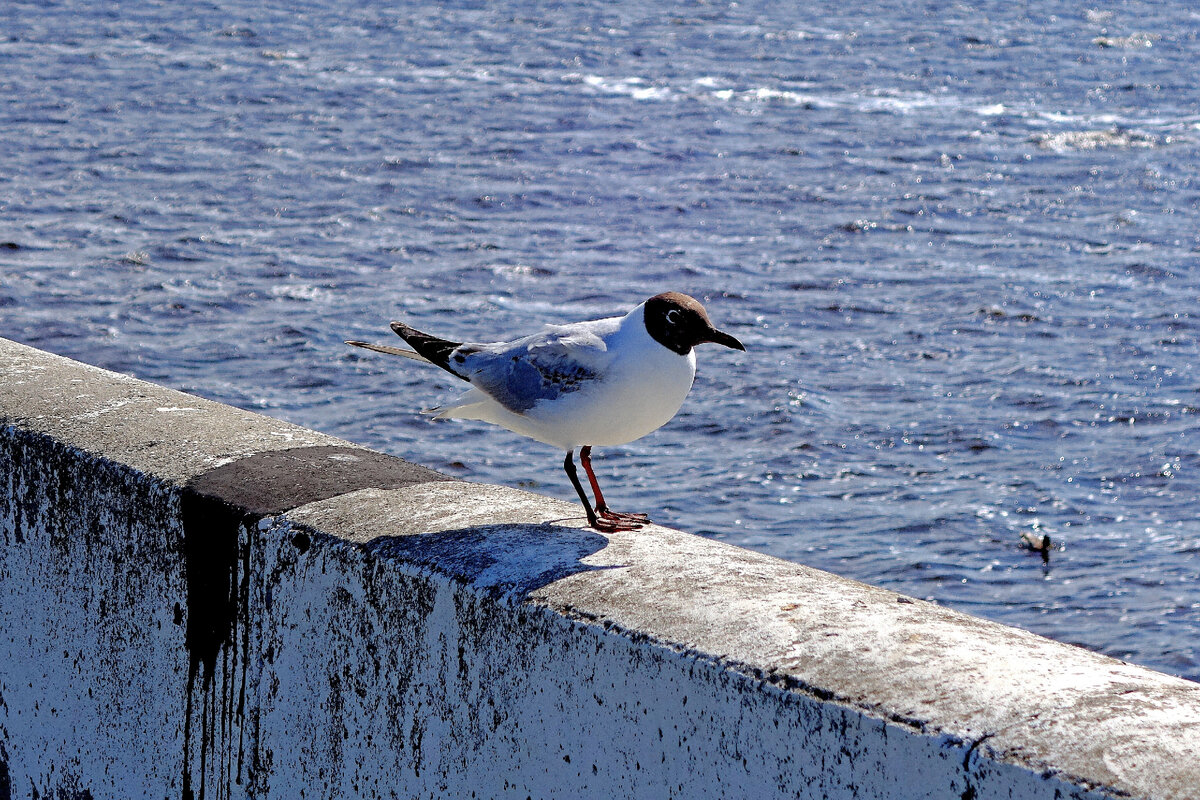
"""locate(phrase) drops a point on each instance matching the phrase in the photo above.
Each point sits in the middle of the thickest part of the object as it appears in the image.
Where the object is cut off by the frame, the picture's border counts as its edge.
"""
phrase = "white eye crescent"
(673, 316)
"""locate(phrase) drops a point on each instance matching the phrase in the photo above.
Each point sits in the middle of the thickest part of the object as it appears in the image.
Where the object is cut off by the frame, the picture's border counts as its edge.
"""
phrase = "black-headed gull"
(604, 382)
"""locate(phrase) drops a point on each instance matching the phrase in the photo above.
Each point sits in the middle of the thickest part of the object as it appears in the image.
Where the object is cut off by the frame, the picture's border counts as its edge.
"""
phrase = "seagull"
(602, 382)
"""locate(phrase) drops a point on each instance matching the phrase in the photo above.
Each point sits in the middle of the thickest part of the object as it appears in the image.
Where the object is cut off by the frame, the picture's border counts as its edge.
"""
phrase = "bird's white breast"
(639, 389)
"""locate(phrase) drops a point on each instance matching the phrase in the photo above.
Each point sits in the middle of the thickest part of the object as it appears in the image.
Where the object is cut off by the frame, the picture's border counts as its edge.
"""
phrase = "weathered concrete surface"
(198, 601)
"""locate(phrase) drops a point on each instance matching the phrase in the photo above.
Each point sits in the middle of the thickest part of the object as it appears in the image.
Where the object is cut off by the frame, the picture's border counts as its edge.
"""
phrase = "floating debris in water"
(1038, 542)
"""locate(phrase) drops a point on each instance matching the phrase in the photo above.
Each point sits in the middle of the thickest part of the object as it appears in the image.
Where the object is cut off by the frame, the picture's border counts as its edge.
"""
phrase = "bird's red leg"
(585, 458)
(602, 523)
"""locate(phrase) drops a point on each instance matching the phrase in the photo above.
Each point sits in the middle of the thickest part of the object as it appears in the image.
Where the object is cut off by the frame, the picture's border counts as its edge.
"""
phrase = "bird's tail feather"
(431, 348)
(391, 351)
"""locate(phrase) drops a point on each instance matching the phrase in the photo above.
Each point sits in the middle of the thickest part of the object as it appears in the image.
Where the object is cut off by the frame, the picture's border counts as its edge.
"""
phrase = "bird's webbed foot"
(614, 523)
(637, 520)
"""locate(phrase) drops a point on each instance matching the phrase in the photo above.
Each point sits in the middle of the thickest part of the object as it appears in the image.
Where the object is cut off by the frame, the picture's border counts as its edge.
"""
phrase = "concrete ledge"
(197, 601)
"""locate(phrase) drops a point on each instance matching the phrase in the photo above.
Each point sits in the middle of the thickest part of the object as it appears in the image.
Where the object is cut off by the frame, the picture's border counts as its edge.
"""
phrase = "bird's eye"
(673, 316)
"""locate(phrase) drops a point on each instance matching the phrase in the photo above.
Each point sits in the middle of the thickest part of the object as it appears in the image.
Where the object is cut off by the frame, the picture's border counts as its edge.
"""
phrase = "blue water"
(960, 243)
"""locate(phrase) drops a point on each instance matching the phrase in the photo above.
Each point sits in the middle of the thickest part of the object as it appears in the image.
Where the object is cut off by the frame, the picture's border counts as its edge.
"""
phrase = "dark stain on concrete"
(72, 794)
(13, 457)
(212, 545)
(220, 510)
(5, 778)
(272, 483)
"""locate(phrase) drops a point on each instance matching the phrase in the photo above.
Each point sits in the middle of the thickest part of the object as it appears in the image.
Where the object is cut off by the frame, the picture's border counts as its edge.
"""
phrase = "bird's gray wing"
(537, 368)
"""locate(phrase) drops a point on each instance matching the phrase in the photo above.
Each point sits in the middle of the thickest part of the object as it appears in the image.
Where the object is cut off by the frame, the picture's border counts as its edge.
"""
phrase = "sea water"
(959, 241)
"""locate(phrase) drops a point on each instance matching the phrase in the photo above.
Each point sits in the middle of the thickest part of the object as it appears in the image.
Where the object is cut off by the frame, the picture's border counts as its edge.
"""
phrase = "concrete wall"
(196, 601)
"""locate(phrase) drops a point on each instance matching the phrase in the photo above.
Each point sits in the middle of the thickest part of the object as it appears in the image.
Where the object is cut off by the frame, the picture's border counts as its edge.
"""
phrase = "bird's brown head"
(679, 323)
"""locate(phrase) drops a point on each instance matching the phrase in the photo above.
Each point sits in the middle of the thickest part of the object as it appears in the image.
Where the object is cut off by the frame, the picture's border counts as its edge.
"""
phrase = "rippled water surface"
(959, 241)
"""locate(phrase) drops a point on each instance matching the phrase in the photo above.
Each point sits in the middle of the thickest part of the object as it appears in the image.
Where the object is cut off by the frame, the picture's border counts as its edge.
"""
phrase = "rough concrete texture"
(170, 435)
(209, 603)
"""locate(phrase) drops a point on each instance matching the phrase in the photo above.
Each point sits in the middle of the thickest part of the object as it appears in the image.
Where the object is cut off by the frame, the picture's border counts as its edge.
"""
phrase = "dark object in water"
(1039, 543)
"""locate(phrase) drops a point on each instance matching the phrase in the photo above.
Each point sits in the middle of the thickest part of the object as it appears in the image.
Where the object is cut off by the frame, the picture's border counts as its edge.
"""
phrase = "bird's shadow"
(505, 559)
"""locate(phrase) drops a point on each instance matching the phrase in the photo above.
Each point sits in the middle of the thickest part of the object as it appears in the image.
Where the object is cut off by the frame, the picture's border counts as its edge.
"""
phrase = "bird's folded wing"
(537, 368)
